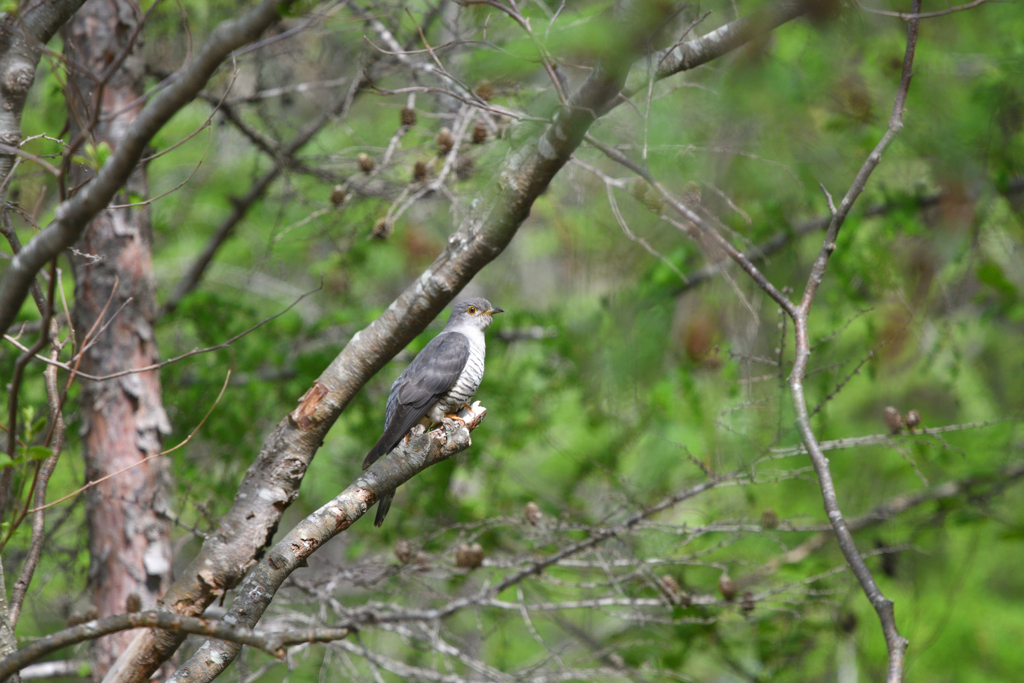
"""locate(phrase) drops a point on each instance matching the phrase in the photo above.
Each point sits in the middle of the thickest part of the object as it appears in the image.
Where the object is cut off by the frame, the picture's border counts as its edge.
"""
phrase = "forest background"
(302, 191)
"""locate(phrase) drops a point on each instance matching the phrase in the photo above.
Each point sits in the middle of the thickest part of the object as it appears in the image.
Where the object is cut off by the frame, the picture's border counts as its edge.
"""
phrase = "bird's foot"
(471, 415)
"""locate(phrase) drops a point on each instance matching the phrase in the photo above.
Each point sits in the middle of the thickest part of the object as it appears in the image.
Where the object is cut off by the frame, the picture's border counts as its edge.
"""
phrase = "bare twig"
(273, 644)
(895, 642)
(95, 482)
(905, 16)
(156, 366)
(55, 440)
(12, 398)
(705, 229)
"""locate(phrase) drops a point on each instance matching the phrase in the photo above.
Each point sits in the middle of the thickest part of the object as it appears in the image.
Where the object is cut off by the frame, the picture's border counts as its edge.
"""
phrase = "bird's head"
(475, 312)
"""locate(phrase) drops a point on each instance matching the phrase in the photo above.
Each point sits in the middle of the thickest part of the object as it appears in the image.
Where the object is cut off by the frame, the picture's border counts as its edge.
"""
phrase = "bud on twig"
(691, 194)
(533, 514)
(420, 171)
(445, 141)
(464, 167)
(408, 117)
(479, 133)
(671, 587)
(366, 162)
(381, 229)
(484, 91)
(639, 188)
(769, 519)
(337, 195)
(727, 587)
(646, 194)
(913, 419)
(133, 603)
(747, 606)
(403, 551)
(82, 617)
(893, 419)
(469, 556)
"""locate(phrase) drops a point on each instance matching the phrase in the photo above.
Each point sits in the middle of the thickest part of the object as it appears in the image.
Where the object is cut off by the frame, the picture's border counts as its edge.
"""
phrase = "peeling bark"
(123, 419)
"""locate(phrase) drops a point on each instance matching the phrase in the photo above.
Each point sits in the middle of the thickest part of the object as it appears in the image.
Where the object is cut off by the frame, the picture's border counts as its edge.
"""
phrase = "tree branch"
(22, 37)
(724, 39)
(292, 551)
(73, 215)
(896, 643)
(782, 238)
(273, 644)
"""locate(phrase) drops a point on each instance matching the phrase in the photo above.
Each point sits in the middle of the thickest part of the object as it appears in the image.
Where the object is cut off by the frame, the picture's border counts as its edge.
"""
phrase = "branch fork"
(254, 595)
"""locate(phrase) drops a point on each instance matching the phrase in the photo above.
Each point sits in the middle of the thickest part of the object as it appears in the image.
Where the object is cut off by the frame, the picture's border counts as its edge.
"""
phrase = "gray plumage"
(442, 378)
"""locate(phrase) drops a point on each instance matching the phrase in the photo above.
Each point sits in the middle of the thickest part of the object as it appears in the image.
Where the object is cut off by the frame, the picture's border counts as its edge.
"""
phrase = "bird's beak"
(495, 310)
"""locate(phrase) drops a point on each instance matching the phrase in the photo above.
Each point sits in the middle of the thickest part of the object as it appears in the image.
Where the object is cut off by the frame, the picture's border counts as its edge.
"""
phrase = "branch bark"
(291, 552)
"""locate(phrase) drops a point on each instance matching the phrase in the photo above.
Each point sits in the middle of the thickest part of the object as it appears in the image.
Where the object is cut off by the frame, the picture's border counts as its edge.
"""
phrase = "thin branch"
(875, 439)
(169, 361)
(55, 439)
(921, 15)
(95, 482)
(716, 43)
(784, 237)
(273, 644)
(895, 643)
(694, 218)
(12, 399)
(17, 151)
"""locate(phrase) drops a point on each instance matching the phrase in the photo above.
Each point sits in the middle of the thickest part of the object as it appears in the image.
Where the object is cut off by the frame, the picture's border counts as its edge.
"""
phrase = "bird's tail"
(383, 505)
(379, 449)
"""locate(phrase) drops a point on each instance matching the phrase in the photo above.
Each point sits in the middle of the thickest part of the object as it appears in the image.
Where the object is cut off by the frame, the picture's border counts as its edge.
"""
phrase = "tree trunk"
(123, 418)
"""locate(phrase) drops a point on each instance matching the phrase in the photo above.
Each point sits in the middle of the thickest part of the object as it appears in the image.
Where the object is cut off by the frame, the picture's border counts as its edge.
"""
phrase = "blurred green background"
(611, 380)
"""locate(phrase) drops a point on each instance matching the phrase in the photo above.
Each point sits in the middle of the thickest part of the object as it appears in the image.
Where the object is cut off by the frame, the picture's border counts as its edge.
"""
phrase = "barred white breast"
(469, 381)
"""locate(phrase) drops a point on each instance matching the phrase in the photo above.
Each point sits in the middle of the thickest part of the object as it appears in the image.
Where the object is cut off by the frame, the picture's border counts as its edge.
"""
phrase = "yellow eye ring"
(471, 310)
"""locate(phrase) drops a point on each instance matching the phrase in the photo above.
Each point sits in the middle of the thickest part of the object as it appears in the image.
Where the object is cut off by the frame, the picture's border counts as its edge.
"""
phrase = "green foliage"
(639, 386)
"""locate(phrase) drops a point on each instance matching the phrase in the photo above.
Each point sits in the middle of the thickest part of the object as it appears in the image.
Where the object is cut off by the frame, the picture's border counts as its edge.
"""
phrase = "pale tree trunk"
(123, 418)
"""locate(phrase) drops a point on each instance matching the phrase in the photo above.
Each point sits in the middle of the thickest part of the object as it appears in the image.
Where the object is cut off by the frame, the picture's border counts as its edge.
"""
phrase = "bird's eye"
(471, 310)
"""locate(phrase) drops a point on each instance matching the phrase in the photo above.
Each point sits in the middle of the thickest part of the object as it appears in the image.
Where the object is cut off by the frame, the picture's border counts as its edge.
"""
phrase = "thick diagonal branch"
(255, 594)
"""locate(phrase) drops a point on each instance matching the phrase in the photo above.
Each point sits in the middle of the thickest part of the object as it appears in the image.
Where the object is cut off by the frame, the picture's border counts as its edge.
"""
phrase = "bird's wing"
(430, 375)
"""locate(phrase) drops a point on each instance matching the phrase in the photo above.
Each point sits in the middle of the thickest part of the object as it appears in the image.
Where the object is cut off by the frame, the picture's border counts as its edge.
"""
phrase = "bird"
(440, 380)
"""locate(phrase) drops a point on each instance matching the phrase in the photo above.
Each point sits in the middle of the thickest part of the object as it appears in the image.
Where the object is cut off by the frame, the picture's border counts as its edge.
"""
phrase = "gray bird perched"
(440, 380)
